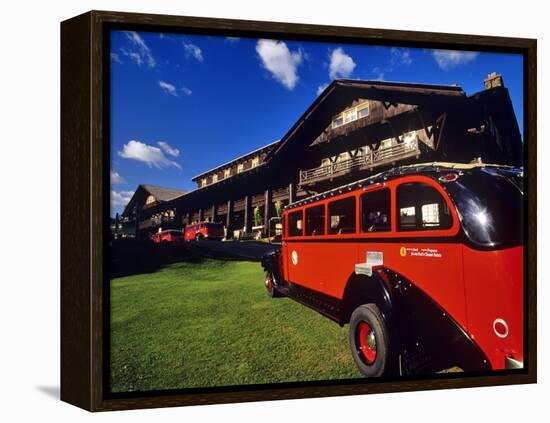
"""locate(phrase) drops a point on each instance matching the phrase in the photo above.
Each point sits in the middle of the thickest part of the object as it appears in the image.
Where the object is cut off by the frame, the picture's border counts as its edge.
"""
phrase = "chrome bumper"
(512, 363)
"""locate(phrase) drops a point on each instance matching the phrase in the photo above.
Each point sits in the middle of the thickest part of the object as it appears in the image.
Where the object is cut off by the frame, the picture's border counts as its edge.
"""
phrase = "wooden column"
(214, 213)
(178, 219)
(201, 215)
(229, 220)
(138, 217)
(247, 214)
(291, 193)
(268, 198)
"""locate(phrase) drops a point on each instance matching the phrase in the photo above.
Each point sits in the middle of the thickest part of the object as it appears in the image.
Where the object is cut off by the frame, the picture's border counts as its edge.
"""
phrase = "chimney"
(493, 80)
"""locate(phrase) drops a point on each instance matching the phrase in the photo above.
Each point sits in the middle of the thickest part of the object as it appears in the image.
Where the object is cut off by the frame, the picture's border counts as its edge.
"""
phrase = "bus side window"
(315, 220)
(376, 211)
(341, 218)
(295, 223)
(421, 207)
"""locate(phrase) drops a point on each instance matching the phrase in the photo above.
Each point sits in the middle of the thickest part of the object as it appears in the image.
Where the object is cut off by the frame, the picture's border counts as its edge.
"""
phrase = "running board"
(321, 303)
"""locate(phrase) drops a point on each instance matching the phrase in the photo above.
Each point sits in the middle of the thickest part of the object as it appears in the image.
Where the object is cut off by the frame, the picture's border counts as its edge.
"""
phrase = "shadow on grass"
(131, 257)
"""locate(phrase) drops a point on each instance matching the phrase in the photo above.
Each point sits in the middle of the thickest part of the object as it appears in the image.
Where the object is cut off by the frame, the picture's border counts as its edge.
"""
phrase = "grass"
(211, 323)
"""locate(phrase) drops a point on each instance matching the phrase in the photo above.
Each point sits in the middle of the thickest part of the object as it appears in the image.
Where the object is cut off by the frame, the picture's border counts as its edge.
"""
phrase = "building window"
(315, 220)
(338, 121)
(350, 115)
(325, 162)
(204, 182)
(408, 139)
(376, 211)
(421, 207)
(227, 173)
(363, 151)
(255, 161)
(295, 223)
(362, 110)
(150, 200)
(214, 177)
(387, 143)
(343, 156)
(240, 168)
(342, 216)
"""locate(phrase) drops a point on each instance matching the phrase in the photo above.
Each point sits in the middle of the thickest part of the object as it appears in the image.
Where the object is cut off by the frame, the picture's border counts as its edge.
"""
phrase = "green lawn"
(211, 324)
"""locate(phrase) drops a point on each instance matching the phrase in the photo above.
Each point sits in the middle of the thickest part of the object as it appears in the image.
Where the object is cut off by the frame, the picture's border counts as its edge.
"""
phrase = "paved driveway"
(247, 250)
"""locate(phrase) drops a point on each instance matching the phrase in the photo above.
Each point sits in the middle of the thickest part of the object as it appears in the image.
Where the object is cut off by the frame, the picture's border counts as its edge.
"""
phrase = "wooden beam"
(267, 210)
(229, 220)
(291, 193)
(247, 214)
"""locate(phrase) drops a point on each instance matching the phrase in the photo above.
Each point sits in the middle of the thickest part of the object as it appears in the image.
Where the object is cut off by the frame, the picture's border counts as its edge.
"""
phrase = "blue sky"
(182, 104)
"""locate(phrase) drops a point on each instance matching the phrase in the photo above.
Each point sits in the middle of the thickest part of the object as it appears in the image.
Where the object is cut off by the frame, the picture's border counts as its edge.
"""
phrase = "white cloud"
(152, 156)
(135, 57)
(379, 77)
(194, 51)
(186, 91)
(321, 88)
(280, 61)
(115, 57)
(116, 178)
(400, 56)
(171, 151)
(232, 39)
(142, 53)
(448, 59)
(341, 64)
(168, 88)
(120, 198)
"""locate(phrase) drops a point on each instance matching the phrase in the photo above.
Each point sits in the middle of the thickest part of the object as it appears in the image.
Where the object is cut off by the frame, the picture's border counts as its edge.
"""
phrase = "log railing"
(372, 159)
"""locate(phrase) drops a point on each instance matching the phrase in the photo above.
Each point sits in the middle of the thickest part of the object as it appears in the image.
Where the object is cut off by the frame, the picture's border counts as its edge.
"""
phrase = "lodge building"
(353, 129)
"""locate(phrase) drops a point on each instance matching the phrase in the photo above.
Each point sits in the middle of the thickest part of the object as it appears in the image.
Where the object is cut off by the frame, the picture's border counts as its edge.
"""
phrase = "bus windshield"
(490, 206)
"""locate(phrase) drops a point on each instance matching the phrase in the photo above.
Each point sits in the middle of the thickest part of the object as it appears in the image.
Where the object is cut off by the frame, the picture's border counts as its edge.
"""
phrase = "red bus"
(204, 230)
(168, 236)
(424, 262)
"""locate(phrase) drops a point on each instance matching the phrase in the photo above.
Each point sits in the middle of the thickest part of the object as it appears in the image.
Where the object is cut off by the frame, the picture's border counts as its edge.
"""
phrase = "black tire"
(270, 285)
(369, 341)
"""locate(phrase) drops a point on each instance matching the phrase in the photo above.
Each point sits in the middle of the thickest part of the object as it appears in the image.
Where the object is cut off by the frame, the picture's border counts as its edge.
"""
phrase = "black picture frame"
(85, 166)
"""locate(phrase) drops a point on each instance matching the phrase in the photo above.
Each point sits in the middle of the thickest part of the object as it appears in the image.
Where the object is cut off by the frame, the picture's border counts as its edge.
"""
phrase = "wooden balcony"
(370, 160)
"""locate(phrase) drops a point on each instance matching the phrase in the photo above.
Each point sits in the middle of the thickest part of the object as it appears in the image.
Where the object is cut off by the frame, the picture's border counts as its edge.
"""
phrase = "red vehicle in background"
(424, 262)
(168, 236)
(204, 230)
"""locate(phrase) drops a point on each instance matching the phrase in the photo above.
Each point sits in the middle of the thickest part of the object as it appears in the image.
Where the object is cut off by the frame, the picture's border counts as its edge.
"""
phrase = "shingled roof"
(163, 194)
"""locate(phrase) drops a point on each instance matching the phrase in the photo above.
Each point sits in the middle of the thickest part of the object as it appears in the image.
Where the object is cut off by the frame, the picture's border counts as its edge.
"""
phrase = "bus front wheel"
(270, 286)
(370, 341)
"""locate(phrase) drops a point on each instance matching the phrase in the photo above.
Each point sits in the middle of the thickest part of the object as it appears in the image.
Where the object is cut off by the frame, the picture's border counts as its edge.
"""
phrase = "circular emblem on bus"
(294, 257)
(501, 328)
(403, 251)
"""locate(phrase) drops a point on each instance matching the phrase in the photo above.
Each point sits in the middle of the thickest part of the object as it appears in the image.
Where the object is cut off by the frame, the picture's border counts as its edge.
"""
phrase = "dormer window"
(204, 182)
(350, 115)
(227, 173)
(240, 168)
(255, 161)
(338, 121)
(362, 110)
(214, 177)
